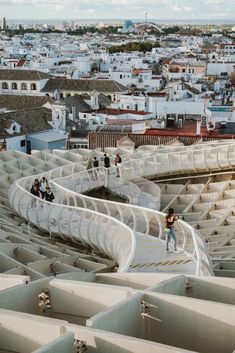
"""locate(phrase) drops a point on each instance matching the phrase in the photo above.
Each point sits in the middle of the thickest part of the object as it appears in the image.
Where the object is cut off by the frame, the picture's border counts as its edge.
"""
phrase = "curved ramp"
(133, 236)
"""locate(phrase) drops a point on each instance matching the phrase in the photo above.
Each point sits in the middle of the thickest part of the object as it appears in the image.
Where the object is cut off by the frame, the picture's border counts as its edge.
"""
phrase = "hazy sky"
(158, 9)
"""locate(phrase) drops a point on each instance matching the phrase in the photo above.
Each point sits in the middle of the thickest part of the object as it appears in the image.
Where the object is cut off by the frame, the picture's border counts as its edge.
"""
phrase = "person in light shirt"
(43, 185)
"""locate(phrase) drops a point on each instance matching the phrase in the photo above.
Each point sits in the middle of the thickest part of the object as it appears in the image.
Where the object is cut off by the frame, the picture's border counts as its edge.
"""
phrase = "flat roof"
(49, 136)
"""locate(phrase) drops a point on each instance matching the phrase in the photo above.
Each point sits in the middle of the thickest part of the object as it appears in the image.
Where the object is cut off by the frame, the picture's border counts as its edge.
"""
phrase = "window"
(5, 85)
(183, 70)
(22, 143)
(24, 86)
(33, 87)
(14, 85)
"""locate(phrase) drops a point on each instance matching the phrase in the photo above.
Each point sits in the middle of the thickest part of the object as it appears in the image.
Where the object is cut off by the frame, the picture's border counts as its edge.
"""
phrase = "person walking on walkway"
(170, 231)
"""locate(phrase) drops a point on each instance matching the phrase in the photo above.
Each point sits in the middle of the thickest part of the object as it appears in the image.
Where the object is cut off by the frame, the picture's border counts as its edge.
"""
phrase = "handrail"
(16, 187)
(158, 157)
(218, 156)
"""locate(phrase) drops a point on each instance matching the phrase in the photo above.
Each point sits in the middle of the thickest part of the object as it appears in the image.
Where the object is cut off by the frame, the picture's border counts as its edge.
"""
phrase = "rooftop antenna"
(145, 22)
(146, 16)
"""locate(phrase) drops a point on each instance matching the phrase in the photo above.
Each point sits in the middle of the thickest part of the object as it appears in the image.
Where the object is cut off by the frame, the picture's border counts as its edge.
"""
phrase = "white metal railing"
(97, 222)
(149, 222)
(188, 160)
(115, 238)
(102, 232)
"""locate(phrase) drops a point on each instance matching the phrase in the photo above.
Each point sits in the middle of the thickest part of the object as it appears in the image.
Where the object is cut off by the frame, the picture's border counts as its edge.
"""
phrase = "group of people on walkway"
(94, 163)
(42, 190)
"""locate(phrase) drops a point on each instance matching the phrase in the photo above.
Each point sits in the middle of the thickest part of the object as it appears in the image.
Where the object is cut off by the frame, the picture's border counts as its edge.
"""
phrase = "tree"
(133, 46)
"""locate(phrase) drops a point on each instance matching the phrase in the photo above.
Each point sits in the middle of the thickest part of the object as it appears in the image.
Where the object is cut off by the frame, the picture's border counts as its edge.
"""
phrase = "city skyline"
(118, 9)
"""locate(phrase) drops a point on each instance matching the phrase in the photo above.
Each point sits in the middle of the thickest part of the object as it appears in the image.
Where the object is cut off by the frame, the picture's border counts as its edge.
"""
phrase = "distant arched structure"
(145, 25)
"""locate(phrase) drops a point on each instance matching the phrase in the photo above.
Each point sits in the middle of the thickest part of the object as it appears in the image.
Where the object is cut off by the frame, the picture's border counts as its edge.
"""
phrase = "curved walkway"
(133, 236)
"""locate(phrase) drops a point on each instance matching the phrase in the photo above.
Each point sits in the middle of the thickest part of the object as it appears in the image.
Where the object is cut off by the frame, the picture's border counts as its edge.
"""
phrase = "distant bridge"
(145, 25)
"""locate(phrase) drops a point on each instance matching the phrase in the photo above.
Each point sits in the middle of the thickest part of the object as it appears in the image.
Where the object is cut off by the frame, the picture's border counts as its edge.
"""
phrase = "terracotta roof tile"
(54, 84)
(111, 111)
(22, 75)
(31, 121)
(17, 102)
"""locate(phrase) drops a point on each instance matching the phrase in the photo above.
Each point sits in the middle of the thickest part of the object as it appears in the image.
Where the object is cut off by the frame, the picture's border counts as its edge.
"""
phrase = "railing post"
(106, 176)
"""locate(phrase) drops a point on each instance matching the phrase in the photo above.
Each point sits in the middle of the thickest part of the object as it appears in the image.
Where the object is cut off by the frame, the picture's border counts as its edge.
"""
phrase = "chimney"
(233, 116)
(94, 100)
(74, 113)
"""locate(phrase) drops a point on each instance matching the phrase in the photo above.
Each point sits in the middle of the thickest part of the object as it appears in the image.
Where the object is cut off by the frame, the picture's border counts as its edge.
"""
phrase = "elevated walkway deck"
(112, 228)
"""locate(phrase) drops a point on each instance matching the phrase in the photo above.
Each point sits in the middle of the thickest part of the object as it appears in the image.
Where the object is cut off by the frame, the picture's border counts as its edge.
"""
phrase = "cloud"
(160, 9)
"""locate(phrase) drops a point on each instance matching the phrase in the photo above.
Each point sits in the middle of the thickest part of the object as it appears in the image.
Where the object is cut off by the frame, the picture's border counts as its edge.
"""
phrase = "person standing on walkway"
(170, 231)
(117, 161)
(36, 192)
(43, 184)
(49, 196)
(95, 165)
(89, 163)
(89, 166)
(36, 183)
(106, 162)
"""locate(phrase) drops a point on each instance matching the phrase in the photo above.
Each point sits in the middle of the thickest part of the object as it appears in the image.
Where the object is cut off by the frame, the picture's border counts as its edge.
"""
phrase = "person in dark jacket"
(49, 196)
(95, 165)
(106, 162)
(36, 192)
(36, 183)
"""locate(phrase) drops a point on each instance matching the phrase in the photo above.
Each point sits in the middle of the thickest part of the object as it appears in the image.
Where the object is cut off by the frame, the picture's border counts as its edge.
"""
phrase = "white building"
(23, 82)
